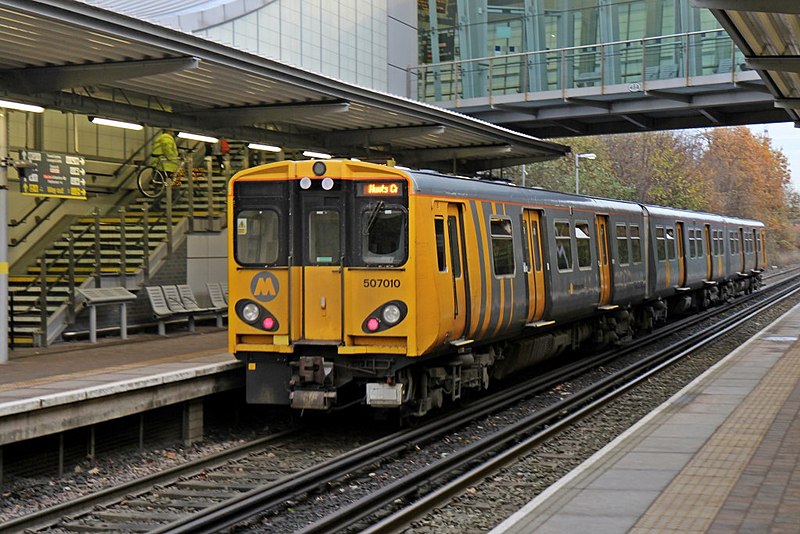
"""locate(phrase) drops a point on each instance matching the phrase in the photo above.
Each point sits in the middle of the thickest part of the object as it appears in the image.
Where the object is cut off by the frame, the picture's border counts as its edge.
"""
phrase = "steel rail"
(613, 389)
(244, 507)
(53, 514)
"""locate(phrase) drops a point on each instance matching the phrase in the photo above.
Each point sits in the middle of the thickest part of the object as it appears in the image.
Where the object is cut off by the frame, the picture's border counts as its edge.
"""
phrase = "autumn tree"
(729, 171)
(749, 178)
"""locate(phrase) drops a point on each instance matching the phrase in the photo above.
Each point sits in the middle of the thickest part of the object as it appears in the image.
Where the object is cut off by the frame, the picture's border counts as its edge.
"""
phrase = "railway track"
(225, 492)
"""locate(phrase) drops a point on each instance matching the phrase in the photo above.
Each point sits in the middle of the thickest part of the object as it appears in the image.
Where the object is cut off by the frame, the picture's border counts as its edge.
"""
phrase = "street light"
(588, 155)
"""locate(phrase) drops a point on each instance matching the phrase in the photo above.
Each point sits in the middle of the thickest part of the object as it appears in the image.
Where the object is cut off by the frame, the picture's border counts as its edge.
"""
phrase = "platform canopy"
(72, 56)
(768, 33)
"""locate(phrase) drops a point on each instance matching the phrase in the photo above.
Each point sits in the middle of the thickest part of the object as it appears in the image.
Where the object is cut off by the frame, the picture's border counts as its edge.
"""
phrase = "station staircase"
(123, 247)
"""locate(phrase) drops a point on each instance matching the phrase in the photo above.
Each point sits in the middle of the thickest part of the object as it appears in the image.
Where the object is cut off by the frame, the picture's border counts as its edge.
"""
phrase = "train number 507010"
(381, 282)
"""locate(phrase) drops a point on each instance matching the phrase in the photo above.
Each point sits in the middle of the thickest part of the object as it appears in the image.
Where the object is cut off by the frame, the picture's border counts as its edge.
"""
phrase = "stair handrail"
(43, 260)
(38, 201)
(14, 241)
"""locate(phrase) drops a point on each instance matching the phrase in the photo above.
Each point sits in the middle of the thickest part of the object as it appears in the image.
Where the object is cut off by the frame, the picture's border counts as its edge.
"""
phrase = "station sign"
(49, 174)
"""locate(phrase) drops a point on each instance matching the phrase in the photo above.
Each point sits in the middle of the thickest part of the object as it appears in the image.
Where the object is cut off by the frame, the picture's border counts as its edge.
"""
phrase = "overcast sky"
(786, 137)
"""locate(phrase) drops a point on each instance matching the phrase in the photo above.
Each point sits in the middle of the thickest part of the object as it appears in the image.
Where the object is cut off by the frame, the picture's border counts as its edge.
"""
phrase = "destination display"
(53, 175)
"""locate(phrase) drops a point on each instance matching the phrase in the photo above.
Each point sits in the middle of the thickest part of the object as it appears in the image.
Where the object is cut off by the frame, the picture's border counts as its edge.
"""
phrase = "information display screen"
(380, 189)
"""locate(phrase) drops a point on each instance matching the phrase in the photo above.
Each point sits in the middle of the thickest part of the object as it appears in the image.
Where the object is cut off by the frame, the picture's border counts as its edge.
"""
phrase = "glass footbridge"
(693, 79)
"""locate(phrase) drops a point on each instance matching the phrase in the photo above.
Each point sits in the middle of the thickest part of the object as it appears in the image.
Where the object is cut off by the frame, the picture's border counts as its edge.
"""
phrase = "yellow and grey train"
(352, 282)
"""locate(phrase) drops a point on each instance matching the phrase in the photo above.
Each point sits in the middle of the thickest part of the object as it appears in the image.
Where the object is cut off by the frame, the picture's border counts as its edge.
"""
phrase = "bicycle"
(153, 179)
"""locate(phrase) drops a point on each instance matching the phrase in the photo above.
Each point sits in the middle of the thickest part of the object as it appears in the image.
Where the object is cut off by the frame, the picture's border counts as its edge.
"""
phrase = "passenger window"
(438, 224)
(698, 234)
(563, 246)
(502, 247)
(383, 231)
(692, 250)
(670, 242)
(455, 252)
(636, 245)
(584, 245)
(661, 247)
(323, 237)
(257, 240)
(622, 244)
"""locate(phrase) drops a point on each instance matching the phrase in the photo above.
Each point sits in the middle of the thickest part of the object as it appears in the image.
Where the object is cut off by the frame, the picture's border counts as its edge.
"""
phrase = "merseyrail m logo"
(264, 287)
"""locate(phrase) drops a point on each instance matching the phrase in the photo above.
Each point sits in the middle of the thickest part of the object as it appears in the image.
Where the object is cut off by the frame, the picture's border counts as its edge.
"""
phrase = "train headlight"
(391, 313)
(384, 317)
(250, 313)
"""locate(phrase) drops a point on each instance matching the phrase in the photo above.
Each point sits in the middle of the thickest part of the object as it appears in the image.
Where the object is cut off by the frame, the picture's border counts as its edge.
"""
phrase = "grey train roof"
(432, 183)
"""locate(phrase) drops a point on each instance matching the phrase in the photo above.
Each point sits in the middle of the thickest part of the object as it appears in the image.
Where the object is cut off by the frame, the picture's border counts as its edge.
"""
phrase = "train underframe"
(316, 378)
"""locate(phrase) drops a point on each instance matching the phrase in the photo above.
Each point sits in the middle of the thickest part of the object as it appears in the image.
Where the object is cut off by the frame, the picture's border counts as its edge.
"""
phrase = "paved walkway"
(723, 455)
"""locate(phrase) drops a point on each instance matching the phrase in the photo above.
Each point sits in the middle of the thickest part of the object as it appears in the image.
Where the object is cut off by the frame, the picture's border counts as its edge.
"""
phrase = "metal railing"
(626, 63)
(51, 271)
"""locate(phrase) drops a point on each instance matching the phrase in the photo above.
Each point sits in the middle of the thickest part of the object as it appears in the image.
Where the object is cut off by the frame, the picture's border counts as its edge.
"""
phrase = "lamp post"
(588, 155)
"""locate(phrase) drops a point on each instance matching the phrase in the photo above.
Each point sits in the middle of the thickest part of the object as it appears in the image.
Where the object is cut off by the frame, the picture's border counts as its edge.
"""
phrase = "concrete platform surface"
(68, 385)
(722, 455)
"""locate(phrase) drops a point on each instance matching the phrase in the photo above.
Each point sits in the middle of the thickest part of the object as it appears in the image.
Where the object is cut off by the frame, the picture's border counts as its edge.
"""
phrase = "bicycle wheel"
(150, 182)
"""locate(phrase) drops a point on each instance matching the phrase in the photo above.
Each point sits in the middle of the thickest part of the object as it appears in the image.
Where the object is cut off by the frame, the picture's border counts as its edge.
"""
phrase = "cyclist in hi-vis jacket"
(165, 153)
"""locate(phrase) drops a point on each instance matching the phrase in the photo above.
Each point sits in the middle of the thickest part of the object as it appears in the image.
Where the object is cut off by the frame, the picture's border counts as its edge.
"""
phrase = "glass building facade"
(346, 39)
(472, 48)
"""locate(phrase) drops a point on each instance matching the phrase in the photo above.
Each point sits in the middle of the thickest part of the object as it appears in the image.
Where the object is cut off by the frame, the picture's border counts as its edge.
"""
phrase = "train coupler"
(312, 399)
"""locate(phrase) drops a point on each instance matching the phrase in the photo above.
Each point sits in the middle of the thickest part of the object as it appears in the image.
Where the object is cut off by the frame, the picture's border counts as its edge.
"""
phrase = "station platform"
(69, 385)
(722, 455)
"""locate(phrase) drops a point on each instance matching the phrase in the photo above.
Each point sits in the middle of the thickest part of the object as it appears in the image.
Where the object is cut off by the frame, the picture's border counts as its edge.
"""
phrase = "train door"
(742, 252)
(323, 255)
(681, 255)
(535, 274)
(448, 225)
(762, 249)
(455, 245)
(709, 253)
(601, 223)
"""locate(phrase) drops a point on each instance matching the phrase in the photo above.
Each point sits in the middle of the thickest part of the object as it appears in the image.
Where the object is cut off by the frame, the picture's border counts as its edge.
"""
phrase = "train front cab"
(321, 290)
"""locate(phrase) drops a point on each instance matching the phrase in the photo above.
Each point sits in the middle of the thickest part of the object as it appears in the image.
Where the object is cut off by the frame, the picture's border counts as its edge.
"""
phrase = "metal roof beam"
(163, 119)
(588, 102)
(713, 116)
(446, 154)
(243, 116)
(759, 86)
(49, 79)
(761, 6)
(384, 135)
(787, 103)
(678, 97)
(779, 63)
(645, 123)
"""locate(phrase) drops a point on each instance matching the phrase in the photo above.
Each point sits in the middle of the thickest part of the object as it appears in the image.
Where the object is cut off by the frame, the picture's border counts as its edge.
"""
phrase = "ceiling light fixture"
(268, 148)
(116, 124)
(20, 106)
(318, 155)
(197, 137)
